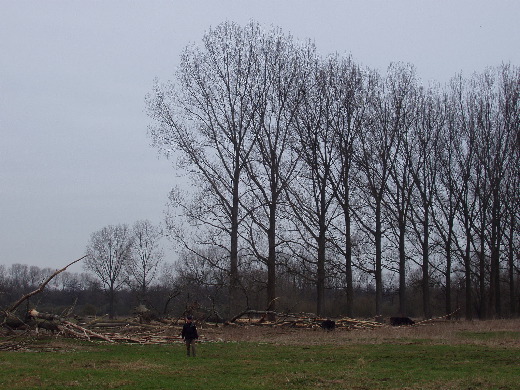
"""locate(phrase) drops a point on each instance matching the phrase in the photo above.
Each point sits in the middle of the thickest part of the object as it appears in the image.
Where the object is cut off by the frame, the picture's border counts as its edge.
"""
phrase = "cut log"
(57, 323)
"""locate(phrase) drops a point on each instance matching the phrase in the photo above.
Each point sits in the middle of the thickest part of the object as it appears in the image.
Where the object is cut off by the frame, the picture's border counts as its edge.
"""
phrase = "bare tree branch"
(42, 286)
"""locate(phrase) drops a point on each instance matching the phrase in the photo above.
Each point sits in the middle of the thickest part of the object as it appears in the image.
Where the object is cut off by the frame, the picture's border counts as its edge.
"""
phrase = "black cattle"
(328, 325)
(399, 321)
(47, 325)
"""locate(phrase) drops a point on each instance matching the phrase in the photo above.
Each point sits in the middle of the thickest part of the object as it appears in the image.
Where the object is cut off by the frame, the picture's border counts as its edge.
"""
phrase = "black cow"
(399, 321)
(328, 325)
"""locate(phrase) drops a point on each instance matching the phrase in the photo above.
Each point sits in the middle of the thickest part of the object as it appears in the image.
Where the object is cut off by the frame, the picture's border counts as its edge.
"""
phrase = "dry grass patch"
(506, 332)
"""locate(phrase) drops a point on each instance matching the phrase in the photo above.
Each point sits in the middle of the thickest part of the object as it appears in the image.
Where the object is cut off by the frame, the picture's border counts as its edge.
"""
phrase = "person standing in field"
(190, 335)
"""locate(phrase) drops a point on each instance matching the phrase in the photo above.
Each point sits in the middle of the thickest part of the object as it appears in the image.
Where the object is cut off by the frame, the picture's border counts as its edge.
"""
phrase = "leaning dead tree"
(51, 322)
(42, 286)
(33, 320)
(8, 317)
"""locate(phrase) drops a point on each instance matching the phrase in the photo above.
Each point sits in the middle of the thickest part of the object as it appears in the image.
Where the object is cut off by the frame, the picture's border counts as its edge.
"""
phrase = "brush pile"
(161, 331)
(300, 320)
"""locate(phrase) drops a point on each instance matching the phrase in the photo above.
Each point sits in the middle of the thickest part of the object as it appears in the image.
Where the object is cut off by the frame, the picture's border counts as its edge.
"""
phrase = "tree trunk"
(271, 261)
(348, 263)
(111, 299)
(379, 253)
(482, 272)
(467, 274)
(233, 257)
(402, 267)
(447, 282)
(511, 266)
(426, 265)
(495, 256)
(320, 282)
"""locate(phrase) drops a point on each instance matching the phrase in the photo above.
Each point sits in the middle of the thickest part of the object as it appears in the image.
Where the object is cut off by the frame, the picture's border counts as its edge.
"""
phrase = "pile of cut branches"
(18, 327)
(299, 320)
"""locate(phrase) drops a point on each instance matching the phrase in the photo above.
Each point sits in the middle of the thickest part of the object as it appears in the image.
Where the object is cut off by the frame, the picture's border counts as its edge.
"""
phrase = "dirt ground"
(506, 332)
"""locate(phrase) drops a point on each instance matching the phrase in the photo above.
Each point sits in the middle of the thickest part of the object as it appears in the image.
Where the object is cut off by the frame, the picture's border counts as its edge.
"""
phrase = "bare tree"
(464, 155)
(512, 237)
(509, 103)
(108, 252)
(485, 127)
(147, 254)
(498, 113)
(425, 165)
(208, 116)
(403, 92)
(272, 164)
(19, 275)
(379, 146)
(350, 94)
(311, 194)
(398, 206)
(447, 202)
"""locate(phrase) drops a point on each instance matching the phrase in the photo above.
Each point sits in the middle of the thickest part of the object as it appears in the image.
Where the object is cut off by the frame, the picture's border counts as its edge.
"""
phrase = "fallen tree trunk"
(87, 332)
(62, 324)
(253, 312)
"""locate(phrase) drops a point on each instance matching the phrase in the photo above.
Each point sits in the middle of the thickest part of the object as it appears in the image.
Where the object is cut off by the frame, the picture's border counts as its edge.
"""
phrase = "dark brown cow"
(400, 321)
(328, 325)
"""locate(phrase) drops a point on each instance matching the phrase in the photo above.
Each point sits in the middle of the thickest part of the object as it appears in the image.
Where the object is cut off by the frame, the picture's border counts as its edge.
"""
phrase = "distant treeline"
(170, 296)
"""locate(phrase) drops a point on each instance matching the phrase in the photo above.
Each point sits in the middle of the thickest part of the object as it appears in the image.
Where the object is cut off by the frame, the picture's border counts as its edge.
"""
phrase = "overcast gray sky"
(74, 150)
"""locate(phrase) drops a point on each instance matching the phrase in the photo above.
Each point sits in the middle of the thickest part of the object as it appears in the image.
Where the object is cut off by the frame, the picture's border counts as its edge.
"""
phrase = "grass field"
(456, 355)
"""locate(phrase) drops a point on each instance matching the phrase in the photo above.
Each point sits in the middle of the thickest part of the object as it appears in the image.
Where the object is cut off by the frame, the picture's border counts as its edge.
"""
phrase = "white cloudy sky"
(74, 151)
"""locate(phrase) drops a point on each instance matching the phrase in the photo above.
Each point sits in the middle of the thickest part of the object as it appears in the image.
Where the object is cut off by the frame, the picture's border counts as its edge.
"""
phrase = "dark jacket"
(189, 331)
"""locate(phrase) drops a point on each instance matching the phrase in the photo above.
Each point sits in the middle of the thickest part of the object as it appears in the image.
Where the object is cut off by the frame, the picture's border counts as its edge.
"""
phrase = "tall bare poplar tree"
(509, 106)
(272, 165)
(398, 202)
(425, 165)
(499, 112)
(349, 100)
(311, 195)
(379, 147)
(207, 117)
(462, 124)
(447, 201)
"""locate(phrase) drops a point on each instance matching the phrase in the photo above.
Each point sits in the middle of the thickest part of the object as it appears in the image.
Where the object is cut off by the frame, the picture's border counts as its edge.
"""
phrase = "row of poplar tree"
(299, 163)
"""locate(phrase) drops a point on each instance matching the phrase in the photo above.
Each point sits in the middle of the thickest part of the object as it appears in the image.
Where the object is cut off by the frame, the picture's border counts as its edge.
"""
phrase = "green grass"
(246, 365)
(501, 335)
